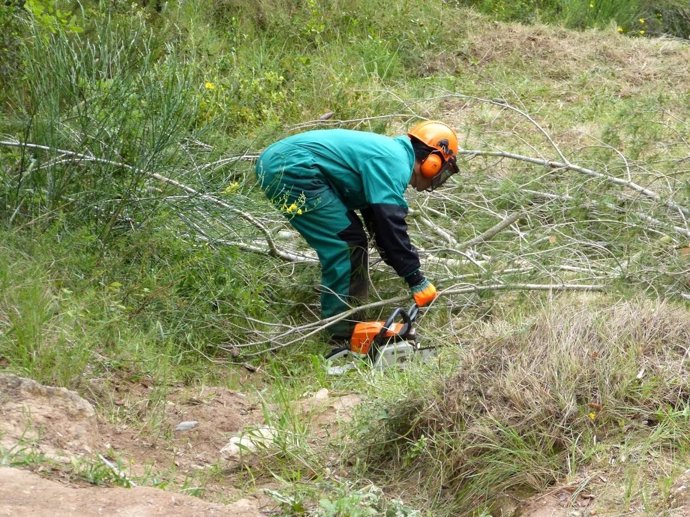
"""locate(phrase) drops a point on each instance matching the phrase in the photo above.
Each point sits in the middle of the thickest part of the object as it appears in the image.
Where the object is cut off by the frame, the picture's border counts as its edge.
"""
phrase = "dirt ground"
(62, 427)
(23, 493)
(57, 427)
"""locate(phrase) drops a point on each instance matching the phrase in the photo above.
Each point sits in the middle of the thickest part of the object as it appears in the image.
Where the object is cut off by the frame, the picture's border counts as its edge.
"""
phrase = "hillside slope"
(136, 265)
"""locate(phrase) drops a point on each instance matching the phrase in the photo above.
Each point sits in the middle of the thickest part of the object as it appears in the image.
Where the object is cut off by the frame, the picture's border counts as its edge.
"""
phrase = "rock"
(55, 421)
(322, 394)
(186, 426)
(249, 441)
(325, 412)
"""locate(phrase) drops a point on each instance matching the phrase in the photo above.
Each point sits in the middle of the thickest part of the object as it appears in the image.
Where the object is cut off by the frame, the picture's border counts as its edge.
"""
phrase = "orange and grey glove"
(423, 293)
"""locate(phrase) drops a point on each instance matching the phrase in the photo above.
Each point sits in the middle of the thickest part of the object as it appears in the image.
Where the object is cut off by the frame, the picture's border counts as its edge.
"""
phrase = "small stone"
(248, 442)
(186, 426)
(322, 394)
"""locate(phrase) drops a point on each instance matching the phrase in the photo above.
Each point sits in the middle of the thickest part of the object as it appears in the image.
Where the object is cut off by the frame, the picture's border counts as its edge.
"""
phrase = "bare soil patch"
(58, 422)
(24, 493)
(60, 425)
(218, 413)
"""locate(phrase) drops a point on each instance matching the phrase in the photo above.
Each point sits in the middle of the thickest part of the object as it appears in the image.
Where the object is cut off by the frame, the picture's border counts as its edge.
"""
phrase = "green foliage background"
(133, 88)
(636, 17)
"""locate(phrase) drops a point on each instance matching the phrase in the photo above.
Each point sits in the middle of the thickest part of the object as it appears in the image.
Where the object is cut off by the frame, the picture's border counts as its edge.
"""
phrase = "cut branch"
(583, 170)
(273, 250)
(300, 333)
(491, 232)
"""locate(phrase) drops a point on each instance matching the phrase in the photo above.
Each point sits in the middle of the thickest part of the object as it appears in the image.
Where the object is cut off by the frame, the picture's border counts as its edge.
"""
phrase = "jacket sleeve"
(385, 177)
(387, 223)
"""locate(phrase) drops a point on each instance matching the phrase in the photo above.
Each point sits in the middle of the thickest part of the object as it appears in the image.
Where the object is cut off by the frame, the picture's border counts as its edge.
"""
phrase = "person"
(319, 179)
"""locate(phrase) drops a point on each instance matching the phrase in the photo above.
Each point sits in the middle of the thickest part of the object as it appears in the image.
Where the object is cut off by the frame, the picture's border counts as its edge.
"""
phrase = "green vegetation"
(634, 17)
(587, 383)
(136, 249)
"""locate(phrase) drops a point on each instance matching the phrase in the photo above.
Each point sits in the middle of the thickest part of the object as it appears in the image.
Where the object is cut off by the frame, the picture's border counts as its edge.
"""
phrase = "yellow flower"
(641, 20)
(592, 416)
(209, 85)
(231, 188)
(591, 5)
(620, 29)
(294, 208)
(641, 33)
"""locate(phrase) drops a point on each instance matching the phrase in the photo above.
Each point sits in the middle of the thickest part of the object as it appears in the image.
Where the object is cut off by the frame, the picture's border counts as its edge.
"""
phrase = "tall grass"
(529, 404)
(40, 333)
(637, 17)
(107, 96)
(143, 307)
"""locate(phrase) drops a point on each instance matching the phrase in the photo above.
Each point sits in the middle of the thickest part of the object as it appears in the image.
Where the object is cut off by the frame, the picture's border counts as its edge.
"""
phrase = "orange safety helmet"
(442, 139)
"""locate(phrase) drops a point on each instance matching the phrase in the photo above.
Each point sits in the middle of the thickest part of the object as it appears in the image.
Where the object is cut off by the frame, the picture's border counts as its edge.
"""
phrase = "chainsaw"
(381, 344)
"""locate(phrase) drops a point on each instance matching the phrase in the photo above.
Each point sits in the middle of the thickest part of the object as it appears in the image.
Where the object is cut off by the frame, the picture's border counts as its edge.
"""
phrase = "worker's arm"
(385, 181)
(387, 224)
(393, 242)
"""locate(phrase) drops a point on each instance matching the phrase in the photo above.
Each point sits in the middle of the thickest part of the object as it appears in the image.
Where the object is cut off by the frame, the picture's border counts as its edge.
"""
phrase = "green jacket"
(369, 172)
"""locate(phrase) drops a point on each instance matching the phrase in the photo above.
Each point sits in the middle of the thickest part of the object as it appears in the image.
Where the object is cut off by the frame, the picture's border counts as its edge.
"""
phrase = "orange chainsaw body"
(366, 331)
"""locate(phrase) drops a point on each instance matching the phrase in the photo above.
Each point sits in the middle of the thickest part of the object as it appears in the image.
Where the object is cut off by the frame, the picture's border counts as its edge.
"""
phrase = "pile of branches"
(537, 220)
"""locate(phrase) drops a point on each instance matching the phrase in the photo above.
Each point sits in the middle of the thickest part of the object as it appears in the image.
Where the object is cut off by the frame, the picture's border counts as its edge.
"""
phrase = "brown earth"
(57, 427)
(219, 412)
(63, 427)
(56, 422)
(26, 494)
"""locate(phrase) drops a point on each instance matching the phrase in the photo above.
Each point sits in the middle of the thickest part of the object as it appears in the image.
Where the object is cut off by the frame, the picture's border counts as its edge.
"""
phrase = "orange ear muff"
(431, 165)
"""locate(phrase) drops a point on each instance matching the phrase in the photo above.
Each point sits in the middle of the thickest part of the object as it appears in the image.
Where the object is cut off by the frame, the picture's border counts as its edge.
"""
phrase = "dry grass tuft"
(630, 64)
(528, 405)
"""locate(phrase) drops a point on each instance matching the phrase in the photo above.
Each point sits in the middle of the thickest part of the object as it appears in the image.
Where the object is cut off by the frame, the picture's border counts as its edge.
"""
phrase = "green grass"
(636, 17)
(67, 307)
(35, 340)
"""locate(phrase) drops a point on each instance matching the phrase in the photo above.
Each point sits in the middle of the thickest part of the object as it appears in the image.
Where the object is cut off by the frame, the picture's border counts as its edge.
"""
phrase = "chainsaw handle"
(408, 318)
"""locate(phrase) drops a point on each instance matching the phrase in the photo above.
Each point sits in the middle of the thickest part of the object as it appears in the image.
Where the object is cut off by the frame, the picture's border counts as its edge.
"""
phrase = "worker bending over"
(320, 180)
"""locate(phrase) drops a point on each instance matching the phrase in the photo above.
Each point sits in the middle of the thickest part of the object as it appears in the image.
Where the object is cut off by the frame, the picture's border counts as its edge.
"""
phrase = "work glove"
(423, 293)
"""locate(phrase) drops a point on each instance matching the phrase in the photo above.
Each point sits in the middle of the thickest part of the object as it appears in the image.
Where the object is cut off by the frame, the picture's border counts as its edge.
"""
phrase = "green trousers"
(291, 181)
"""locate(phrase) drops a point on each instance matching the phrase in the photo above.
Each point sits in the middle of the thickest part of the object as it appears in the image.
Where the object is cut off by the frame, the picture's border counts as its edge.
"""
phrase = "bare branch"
(300, 333)
(589, 172)
(491, 232)
(272, 248)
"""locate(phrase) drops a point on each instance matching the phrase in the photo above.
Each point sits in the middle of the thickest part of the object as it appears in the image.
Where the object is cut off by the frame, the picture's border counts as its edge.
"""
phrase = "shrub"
(530, 402)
